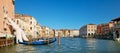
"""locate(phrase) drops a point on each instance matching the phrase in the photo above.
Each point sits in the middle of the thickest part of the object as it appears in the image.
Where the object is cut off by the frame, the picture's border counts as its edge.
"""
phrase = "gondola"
(39, 42)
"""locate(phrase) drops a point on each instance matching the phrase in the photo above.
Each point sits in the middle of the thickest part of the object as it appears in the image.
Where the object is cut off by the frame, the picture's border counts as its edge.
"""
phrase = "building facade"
(65, 32)
(88, 30)
(74, 33)
(116, 31)
(105, 29)
(30, 26)
(48, 32)
(6, 11)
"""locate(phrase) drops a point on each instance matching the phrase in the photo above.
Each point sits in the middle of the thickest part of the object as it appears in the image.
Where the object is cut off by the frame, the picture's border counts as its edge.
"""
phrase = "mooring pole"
(58, 38)
(48, 40)
(6, 40)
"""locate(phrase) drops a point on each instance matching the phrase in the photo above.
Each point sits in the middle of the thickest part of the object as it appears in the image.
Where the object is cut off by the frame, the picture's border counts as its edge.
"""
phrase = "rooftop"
(90, 24)
(116, 19)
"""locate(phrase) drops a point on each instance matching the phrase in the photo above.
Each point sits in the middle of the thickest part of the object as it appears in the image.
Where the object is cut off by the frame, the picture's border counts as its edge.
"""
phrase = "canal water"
(68, 45)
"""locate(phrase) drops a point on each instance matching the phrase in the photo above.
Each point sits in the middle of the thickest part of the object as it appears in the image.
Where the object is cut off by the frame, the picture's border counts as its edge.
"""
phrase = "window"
(94, 27)
(3, 9)
(5, 18)
(13, 20)
(30, 28)
(6, 12)
(88, 26)
(3, 22)
(91, 29)
(92, 34)
(31, 18)
(91, 26)
(5, 29)
(88, 34)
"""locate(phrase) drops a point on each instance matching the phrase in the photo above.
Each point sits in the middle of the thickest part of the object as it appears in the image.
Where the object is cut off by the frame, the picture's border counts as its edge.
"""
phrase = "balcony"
(117, 26)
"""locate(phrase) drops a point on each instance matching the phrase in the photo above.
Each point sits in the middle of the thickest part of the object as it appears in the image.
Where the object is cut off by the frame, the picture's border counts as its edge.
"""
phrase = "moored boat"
(38, 42)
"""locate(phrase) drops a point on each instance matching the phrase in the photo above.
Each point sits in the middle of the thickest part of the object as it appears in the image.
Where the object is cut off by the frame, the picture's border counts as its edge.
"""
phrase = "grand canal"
(68, 45)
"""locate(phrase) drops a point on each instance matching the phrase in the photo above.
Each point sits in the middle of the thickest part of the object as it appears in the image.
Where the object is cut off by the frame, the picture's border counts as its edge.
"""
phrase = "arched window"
(3, 22)
(5, 29)
(92, 34)
(88, 34)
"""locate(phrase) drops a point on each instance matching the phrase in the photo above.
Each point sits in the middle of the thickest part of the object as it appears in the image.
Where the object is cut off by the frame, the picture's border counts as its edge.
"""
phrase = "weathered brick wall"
(6, 7)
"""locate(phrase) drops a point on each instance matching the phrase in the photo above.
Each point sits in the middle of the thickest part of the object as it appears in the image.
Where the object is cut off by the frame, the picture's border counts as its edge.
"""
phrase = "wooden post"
(58, 38)
(48, 40)
(6, 39)
(13, 39)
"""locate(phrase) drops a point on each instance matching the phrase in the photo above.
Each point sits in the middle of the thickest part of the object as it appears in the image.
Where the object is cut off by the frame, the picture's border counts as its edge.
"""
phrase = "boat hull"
(38, 42)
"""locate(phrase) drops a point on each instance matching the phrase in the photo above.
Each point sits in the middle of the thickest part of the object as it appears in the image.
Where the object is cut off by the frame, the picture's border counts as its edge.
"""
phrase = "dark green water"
(68, 45)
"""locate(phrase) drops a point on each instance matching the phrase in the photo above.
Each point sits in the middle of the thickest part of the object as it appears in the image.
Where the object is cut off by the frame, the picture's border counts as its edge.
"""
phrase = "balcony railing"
(117, 26)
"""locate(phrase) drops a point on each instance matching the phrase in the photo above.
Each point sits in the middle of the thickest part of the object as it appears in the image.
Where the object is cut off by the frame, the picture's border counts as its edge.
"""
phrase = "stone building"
(74, 33)
(29, 25)
(88, 30)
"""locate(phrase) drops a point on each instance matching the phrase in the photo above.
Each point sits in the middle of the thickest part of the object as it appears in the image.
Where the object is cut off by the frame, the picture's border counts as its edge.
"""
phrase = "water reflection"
(17, 49)
(91, 43)
(24, 49)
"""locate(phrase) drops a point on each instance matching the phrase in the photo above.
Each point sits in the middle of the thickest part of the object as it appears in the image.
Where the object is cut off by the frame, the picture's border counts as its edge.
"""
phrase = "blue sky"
(69, 14)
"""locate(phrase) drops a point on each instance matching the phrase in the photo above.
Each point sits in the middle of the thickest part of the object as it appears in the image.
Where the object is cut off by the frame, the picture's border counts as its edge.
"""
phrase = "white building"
(39, 31)
(58, 32)
(28, 24)
(45, 31)
(88, 30)
(74, 33)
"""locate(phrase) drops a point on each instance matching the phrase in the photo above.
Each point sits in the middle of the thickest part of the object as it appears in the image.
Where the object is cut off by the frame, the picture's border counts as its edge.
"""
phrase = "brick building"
(105, 29)
(6, 10)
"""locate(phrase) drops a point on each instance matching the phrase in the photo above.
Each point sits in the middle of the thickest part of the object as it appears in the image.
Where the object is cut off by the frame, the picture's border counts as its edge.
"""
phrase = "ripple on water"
(68, 45)
(24, 49)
